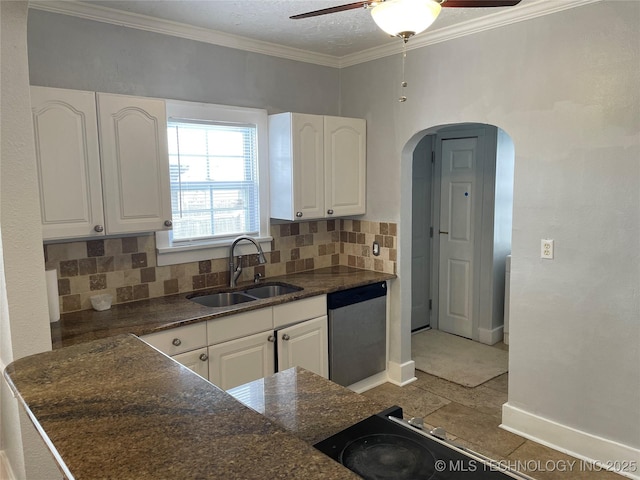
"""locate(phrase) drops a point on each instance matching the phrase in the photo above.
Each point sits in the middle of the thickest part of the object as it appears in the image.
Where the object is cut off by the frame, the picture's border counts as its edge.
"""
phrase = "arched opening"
(456, 230)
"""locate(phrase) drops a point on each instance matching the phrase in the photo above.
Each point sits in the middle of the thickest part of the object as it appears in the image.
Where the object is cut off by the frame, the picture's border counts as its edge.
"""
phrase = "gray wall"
(565, 89)
(69, 52)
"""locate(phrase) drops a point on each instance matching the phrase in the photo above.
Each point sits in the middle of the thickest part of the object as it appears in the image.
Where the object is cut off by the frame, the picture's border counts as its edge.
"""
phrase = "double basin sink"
(227, 299)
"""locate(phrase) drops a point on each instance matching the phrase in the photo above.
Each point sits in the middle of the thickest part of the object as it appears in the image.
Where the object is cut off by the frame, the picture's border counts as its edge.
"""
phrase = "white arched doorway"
(475, 292)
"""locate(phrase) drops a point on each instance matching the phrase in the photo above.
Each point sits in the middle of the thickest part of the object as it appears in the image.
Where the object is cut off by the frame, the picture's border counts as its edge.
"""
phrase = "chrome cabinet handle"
(168, 223)
(99, 228)
(204, 357)
(330, 211)
(286, 337)
(299, 214)
(177, 342)
(271, 338)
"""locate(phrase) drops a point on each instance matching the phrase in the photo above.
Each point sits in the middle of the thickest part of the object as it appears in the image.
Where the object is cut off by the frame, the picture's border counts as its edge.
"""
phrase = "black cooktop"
(378, 448)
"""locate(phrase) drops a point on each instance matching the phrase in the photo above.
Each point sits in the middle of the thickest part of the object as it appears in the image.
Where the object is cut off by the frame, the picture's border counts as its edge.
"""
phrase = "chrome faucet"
(234, 272)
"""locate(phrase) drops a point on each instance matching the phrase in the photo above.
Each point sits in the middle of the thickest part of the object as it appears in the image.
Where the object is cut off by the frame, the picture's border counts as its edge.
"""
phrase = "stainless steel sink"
(224, 299)
(272, 290)
(228, 299)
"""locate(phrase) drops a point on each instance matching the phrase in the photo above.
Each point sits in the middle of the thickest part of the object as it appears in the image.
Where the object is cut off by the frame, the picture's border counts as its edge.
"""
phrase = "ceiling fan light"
(404, 18)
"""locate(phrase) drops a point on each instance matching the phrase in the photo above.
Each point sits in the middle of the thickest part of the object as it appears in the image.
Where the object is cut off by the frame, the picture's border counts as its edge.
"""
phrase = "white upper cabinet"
(102, 163)
(345, 156)
(68, 161)
(135, 163)
(318, 166)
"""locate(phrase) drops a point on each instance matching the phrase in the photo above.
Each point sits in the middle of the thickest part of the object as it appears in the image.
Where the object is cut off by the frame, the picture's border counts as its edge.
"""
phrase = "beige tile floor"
(471, 417)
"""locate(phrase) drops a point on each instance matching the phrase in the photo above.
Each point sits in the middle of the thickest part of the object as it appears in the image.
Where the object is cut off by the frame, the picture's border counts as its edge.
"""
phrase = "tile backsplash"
(126, 267)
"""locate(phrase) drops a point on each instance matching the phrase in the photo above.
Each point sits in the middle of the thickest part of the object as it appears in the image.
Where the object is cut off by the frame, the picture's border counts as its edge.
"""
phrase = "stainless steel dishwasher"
(357, 333)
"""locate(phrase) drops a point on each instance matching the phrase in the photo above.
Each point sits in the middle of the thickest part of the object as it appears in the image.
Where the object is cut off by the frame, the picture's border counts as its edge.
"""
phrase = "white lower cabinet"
(242, 360)
(305, 345)
(236, 349)
(196, 360)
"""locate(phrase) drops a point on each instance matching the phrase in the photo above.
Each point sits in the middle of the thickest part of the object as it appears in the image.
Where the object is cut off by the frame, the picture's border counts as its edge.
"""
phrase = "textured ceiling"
(337, 34)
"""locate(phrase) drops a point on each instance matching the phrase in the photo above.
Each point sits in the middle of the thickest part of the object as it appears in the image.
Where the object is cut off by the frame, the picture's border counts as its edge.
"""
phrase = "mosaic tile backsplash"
(126, 267)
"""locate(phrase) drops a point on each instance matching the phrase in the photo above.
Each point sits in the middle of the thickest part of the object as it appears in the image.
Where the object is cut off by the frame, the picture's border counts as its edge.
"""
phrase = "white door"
(135, 163)
(345, 156)
(305, 345)
(421, 235)
(460, 197)
(195, 360)
(308, 165)
(243, 360)
(68, 160)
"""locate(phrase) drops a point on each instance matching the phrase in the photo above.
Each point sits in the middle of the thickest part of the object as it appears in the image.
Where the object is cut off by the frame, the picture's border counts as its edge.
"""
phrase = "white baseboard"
(623, 459)
(491, 337)
(401, 374)
(369, 383)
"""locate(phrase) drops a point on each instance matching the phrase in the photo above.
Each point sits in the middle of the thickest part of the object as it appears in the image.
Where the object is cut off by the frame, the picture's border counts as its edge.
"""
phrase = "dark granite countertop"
(117, 408)
(147, 316)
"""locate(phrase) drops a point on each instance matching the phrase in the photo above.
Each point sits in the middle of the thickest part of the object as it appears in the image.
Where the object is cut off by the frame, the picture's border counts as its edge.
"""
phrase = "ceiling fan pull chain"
(403, 83)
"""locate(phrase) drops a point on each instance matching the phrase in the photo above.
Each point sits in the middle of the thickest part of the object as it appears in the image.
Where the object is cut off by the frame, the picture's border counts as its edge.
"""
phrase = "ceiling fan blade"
(339, 8)
(479, 3)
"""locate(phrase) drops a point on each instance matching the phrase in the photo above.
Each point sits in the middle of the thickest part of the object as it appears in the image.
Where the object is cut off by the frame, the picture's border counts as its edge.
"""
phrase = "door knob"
(99, 228)
(204, 357)
(286, 337)
(177, 342)
(299, 214)
(330, 211)
(271, 338)
(168, 223)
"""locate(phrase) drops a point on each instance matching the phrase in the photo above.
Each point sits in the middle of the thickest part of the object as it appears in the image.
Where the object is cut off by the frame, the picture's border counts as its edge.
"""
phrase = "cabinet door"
(68, 162)
(296, 161)
(135, 163)
(345, 158)
(196, 360)
(243, 360)
(305, 345)
(308, 166)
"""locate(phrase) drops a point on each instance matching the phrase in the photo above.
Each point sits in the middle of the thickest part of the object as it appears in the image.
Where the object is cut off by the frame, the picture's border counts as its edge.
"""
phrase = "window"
(218, 174)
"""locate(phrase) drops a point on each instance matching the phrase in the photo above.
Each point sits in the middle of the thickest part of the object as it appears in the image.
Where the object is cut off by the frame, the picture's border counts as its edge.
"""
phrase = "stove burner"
(387, 456)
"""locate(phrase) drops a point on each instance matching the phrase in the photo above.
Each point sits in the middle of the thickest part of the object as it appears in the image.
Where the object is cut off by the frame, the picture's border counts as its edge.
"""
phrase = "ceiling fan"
(405, 18)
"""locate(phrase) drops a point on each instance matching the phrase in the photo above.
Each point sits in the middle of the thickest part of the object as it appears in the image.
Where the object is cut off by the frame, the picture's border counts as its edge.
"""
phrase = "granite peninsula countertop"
(156, 314)
(117, 408)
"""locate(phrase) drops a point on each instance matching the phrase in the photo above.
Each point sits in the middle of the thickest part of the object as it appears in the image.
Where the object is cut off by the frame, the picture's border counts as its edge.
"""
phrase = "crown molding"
(181, 30)
(499, 19)
(430, 37)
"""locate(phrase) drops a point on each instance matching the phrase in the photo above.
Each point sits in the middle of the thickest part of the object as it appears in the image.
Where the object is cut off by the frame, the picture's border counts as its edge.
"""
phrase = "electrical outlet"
(546, 249)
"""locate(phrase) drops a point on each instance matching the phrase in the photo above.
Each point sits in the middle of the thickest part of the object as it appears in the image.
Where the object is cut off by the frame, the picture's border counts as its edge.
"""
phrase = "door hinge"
(431, 232)
(430, 304)
(433, 156)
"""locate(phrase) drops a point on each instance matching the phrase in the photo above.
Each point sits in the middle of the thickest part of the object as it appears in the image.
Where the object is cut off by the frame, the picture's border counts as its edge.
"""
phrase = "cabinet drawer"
(239, 325)
(179, 340)
(300, 310)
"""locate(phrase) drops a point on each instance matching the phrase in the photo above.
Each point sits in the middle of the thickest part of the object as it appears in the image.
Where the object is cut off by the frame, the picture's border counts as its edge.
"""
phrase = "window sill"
(168, 254)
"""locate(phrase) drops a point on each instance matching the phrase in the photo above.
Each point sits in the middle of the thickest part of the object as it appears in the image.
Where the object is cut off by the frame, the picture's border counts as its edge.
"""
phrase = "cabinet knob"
(99, 228)
(271, 338)
(330, 211)
(168, 223)
(299, 214)
(177, 342)
(286, 337)
(204, 357)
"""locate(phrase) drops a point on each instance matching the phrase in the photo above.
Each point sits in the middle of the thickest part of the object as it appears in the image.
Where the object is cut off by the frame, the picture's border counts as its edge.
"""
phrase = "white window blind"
(214, 179)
